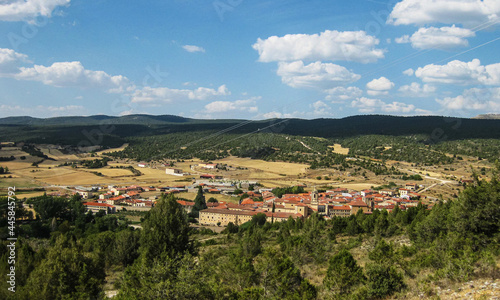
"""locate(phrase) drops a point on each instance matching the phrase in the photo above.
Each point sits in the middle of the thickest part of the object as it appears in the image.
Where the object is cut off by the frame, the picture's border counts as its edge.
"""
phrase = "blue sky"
(241, 59)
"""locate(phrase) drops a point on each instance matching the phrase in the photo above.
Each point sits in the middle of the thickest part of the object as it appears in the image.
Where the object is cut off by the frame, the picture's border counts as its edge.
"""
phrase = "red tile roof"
(97, 204)
(185, 203)
(341, 207)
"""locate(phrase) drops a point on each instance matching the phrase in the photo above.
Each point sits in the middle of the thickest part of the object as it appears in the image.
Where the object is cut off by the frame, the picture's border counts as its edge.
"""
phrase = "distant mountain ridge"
(96, 119)
(74, 130)
(488, 116)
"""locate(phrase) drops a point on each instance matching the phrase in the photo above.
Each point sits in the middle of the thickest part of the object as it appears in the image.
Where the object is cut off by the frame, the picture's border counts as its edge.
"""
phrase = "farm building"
(175, 172)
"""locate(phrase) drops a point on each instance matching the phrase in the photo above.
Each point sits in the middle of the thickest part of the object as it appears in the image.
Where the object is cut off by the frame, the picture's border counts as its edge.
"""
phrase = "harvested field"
(337, 148)
(270, 167)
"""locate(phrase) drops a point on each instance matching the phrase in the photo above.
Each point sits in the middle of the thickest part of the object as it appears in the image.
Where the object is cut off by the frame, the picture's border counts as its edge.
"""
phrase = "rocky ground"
(479, 289)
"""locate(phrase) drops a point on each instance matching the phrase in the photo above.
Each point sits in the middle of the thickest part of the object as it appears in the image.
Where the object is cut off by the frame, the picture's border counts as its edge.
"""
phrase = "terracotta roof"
(97, 204)
(247, 201)
(357, 203)
(341, 207)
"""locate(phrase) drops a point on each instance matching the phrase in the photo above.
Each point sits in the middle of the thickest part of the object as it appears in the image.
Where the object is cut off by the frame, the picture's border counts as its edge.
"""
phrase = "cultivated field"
(337, 148)
(442, 180)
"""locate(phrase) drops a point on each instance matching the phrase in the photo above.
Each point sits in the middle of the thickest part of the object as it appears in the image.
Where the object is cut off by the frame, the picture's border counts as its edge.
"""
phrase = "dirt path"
(303, 144)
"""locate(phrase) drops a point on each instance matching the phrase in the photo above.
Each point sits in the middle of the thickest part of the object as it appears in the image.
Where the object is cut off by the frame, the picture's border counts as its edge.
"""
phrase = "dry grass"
(115, 172)
(337, 148)
(121, 148)
(269, 167)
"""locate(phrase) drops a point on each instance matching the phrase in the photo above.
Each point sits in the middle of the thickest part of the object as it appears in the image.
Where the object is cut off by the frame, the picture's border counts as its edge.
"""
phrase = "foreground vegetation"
(65, 253)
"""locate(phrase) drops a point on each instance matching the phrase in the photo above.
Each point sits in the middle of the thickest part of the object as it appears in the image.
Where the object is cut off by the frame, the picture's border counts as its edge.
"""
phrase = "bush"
(383, 280)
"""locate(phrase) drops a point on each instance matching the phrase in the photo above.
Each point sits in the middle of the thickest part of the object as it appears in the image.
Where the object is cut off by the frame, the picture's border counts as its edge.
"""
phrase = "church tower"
(314, 196)
(314, 199)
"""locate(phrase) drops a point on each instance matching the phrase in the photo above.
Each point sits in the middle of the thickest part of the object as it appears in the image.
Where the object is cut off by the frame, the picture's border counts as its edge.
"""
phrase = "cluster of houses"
(339, 202)
(123, 196)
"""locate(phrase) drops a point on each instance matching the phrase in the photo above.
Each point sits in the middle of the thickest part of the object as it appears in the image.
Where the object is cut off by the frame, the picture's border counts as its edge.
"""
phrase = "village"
(250, 198)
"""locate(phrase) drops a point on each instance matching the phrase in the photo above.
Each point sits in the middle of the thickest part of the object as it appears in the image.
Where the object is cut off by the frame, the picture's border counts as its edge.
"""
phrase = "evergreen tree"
(165, 232)
(281, 279)
(383, 280)
(343, 273)
(66, 273)
(199, 203)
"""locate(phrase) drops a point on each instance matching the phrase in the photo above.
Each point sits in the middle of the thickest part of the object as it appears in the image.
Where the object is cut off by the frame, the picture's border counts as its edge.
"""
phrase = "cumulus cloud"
(487, 99)
(318, 109)
(441, 38)
(398, 107)
(339, 94)
(73, 74)
(41, 111)
(274, 115)
(409, 72)
(155, 95)
(248, 105)
(416, 90)
(192, 48)
(328, 45)
(380, 86)
(459, 72)
(27, 10)
(467, 12)
(369, 105)
(402, 40)
(10, 61)
(314, 75)
(321, 109)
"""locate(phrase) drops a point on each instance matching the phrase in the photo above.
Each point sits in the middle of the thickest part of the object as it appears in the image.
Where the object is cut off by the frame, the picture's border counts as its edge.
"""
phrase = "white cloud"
(343, 93)
(403, 40)
(487, 99)
(467, 12)
(319, 105)
(459, 72)
(398, 107)
(273, 115)
(328, 45)
(9, 61)
(27, 10)
(41, 111)
(151, 95)
(248, 105)
(314, 75)
(441, 38)
(192, 48)
(73, 74)
(409, 72)
(321, 109)
(417, 90)
(369, 105)
(380, 86)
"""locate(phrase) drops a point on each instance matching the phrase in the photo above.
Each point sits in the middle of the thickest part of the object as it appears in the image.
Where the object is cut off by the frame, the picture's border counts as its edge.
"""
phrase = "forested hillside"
(109, 131)
(66, 253)
(420, 140)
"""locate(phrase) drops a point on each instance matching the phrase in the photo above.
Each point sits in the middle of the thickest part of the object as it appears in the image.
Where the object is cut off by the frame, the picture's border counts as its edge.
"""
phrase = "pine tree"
(165, 232)
(66, 273)
(343, 273)
(199, 203)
